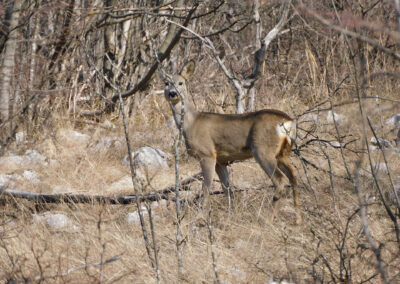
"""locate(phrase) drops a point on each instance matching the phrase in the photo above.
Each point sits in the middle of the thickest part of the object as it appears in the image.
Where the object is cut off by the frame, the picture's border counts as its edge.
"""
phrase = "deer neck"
(189, 114)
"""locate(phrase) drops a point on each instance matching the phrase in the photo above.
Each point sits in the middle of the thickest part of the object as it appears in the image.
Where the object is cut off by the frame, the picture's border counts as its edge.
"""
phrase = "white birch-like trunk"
(7, 67)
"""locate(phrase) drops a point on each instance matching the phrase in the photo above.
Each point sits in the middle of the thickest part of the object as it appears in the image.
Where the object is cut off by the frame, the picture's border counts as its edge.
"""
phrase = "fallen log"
(117, 200)
(86, 198)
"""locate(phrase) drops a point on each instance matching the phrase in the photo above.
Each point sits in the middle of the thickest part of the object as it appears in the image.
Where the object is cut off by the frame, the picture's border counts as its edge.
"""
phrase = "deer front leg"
(223, 174)
(207, 167)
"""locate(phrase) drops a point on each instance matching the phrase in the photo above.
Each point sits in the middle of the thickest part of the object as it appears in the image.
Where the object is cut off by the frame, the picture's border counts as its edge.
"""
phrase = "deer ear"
(188, 69)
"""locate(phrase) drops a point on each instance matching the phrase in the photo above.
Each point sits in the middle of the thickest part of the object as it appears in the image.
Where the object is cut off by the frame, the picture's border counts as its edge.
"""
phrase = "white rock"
(31, 176)
(20, 137)
(11, 162)
(149, 158)
(312, 117)
(125, 182)
(54, 221)
(238, 274)
(133, 217)
(31, 158)
(383, 142)
(338, 117)
(74, 137)
(57, 221)
(105, 143)
(381, 167)
(394, 120)
(79, 136)
(159, 204)
(6, 181)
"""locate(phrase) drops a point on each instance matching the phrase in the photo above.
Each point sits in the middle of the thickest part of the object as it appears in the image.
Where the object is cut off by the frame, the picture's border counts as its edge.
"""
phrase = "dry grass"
(248, 248)
(308, 64)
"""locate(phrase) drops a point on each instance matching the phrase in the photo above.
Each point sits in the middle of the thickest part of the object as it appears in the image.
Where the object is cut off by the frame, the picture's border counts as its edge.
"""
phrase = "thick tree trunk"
(7, 67)
(110, 47)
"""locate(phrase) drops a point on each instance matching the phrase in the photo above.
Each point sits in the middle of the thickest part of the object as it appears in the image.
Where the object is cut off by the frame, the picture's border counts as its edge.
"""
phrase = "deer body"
(218, 139)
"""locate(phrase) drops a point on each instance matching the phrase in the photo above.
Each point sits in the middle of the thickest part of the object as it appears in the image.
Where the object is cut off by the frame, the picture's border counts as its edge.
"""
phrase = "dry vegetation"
(310, 69)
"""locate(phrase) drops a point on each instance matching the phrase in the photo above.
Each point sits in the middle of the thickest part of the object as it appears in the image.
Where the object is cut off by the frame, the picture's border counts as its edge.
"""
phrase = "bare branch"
(74, 269)
(164, 51)
(210, 45)
(212, 246)
(82, 198)
(396, 197)
(222, 30)
(351, 33)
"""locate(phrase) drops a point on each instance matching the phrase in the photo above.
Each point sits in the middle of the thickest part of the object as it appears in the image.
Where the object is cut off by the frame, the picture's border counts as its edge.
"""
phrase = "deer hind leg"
(223, 174)
(208, 168)
(269, 164)
(285, 166)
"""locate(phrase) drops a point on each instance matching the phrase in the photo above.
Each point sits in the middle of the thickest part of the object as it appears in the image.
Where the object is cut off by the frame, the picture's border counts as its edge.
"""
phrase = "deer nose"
(172, 94)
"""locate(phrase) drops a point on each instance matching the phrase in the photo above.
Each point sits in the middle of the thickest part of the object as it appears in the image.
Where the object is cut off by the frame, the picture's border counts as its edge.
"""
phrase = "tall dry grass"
(306, 72)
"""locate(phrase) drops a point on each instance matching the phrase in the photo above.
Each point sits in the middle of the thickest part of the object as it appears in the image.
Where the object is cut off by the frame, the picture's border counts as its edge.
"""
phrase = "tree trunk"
(8, 64)
(109, 53)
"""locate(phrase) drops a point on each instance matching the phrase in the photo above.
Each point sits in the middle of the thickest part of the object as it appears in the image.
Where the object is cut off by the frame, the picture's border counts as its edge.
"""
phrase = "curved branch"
(349, 33)
(222, 30)
(85, 198)
(164, 52)
(259, 55)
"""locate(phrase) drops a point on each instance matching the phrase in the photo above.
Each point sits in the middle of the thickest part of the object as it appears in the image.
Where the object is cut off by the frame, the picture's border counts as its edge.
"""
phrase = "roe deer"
(218, 139)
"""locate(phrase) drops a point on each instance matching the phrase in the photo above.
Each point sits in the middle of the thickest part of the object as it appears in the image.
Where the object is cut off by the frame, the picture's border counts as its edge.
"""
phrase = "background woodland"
(80, 77)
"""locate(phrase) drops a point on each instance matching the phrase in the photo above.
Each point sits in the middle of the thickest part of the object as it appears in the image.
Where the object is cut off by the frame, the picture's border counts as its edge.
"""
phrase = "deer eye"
(180, 83)
(166, 83)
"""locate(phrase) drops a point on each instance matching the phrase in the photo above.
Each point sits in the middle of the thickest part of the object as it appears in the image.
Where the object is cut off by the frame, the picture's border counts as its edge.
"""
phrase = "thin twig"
(236, 83)
(74, 269)
(334, 198)
(133, 175)
(385, 204)
(349, 33)
(211, 239)
(356, 181)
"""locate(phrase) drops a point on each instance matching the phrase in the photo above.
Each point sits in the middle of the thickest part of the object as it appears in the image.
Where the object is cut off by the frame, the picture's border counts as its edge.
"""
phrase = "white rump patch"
(286, 130)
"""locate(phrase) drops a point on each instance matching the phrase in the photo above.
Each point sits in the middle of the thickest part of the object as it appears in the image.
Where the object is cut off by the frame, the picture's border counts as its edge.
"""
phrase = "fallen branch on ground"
(113, 200)
(86, 198)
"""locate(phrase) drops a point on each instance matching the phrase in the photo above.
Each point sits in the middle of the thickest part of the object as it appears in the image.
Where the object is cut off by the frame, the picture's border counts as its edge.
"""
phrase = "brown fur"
(218, 139)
